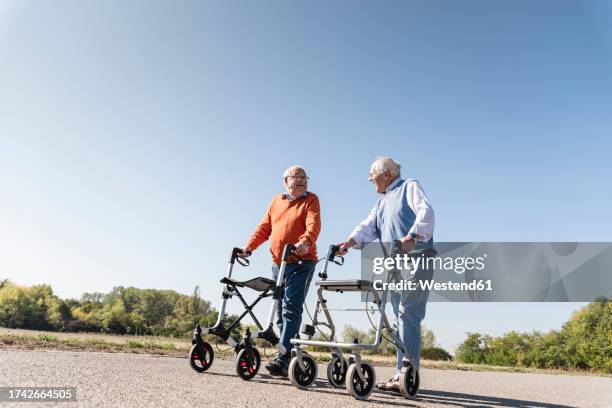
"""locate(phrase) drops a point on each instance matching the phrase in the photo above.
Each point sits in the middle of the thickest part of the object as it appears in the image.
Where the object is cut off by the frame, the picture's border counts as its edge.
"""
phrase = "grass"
(92, 342)
(134, 344)
(47, 337)
(168, 346)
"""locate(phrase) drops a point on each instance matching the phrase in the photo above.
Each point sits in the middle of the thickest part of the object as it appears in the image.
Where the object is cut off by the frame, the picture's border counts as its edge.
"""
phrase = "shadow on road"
(425, 396)
(470, 400)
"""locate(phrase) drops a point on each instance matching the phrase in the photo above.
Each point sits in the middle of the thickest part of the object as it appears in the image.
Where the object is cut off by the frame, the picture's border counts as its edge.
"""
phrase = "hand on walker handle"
(344, 247)
(301, 248)
(246, 252)
(407, 244)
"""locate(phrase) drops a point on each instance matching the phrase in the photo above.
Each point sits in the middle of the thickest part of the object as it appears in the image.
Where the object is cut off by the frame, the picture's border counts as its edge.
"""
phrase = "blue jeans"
(409, 310)
(289, 311)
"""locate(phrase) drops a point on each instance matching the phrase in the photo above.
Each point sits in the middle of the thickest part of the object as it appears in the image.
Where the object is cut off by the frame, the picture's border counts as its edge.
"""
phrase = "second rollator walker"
(355, 374)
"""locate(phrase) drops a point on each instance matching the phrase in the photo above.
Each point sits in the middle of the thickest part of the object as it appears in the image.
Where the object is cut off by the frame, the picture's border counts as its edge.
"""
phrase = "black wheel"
(409, 381)
(201, 357)
(245, 369)
(336, 371)
(299, 378)
(358, 388)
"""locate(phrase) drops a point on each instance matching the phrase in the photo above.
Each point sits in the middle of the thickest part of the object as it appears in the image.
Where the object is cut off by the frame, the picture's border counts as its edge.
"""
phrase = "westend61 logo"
(459, 265)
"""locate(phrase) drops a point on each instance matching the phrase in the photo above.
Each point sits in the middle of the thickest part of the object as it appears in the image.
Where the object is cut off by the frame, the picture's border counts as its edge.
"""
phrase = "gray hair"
(289, 171)
(387, 163)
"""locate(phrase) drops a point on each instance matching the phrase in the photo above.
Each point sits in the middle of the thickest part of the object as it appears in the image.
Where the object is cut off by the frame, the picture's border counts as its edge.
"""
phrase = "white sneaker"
(391, 385)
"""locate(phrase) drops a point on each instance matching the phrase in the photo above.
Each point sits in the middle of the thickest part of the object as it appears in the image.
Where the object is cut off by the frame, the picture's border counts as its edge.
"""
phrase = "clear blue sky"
(140, 141)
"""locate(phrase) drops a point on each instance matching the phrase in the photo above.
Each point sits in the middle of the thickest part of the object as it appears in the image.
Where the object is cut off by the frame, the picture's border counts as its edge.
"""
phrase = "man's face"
(381, 179)
(296, 182)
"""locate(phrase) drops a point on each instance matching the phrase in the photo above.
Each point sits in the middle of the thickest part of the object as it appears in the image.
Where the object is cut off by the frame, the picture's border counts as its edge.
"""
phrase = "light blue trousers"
(409, 310)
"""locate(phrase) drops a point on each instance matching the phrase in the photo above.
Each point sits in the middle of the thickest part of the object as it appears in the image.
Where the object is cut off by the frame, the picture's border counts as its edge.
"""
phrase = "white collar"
(394, 184)
(289, 197)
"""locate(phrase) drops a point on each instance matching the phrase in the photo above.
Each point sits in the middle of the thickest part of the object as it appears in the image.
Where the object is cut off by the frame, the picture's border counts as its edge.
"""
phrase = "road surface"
(132, 380)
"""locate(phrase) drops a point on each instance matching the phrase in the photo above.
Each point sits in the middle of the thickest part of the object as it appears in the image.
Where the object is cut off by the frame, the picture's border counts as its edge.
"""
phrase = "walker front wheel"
(247, 368)
(358, 388)
(299, 378)
(201, 356)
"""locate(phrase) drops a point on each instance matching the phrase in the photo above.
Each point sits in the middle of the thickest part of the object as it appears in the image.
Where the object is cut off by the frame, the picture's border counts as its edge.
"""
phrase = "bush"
(435, 353)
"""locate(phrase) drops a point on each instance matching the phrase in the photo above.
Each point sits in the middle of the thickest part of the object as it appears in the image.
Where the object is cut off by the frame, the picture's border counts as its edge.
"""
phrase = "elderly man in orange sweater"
(294, 218)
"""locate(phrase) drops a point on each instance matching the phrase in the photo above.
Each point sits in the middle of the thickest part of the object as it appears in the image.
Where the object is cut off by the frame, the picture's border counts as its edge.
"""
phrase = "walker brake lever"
(243, 261)
(236, 257)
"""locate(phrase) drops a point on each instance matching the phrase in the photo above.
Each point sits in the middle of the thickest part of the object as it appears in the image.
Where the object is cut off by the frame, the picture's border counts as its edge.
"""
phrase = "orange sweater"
(289, 222)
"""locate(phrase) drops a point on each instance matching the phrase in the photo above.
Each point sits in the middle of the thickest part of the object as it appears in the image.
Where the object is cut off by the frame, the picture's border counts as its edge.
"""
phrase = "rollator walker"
(355, 374)
(248, 359)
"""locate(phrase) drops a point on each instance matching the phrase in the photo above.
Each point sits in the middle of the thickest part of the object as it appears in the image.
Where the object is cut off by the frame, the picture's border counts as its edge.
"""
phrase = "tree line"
(584, 342)
(122, 311)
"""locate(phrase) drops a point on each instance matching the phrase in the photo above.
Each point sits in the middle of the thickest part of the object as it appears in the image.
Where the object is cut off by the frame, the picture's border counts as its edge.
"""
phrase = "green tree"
(33, 307)
(588, 336)
(473, 350)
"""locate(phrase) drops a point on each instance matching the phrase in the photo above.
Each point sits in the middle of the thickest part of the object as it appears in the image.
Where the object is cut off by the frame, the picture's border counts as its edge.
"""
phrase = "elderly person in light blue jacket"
(402, 216)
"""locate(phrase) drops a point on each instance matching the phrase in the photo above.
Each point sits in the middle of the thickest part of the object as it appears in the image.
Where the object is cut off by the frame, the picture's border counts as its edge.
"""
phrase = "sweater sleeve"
(262, 231)
(313, 223)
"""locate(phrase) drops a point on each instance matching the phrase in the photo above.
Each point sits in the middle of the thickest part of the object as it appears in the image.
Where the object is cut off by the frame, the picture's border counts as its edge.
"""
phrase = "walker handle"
(287, 251)
(235, 257)
(333, 250)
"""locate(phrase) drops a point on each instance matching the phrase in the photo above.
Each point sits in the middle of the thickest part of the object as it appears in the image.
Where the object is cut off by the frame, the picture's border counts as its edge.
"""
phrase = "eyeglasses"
(299, 177)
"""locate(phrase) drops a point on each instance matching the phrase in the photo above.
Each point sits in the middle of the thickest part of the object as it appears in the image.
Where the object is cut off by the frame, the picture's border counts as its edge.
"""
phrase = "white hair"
(387, 163)
(289, 171)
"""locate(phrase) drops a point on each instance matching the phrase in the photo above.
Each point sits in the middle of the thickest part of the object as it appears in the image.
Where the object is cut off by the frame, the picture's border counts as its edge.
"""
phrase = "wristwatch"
(398, 246)
(414, 236)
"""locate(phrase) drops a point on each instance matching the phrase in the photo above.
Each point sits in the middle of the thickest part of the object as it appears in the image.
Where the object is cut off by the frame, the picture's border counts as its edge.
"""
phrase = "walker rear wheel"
(409, 381)
(336, 371)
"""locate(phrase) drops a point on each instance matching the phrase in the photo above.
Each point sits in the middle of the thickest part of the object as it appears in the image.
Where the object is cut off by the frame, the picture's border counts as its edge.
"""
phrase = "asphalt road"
(126, 380)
